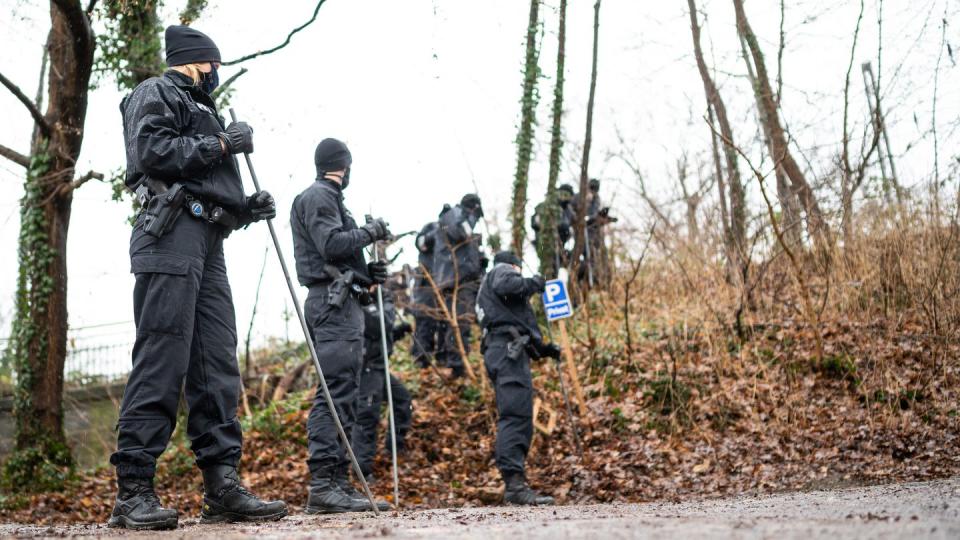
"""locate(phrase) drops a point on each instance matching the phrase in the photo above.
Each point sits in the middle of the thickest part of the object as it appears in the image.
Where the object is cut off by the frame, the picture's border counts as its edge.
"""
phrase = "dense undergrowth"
(711, 392)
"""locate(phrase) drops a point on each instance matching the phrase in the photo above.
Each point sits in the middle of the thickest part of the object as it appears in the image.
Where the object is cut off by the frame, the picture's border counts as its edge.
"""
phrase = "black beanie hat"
(332, 155)
(188, 46)
(566, 187)
(594, 184)
(506, 257)
(470, 200)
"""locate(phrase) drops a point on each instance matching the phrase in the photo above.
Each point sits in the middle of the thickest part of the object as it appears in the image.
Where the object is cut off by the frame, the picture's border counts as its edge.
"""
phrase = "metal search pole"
(386, 380)
(310, 345)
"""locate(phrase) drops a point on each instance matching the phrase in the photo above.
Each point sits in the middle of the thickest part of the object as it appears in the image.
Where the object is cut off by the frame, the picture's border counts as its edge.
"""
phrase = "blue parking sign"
(556, 303)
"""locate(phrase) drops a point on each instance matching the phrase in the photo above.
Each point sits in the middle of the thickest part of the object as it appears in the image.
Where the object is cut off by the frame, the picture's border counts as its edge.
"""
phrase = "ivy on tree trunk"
(549, 246)
(37, 349)
(524, 141)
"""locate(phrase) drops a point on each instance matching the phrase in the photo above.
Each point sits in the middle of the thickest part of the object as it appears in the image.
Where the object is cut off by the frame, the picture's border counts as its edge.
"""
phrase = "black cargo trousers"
(513, 389)
(373, 395)
(427, 326)
(186, 339)
(337, 334)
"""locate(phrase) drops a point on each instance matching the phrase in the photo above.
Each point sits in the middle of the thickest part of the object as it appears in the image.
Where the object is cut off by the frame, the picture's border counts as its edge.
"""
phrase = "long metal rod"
(386, 373)
(310, 345)
(566, 399)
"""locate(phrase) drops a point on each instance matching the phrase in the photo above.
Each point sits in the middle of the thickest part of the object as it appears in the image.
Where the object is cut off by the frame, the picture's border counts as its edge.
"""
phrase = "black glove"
(261, 206)
(537, 284)
(549, 350)
(378, 271)
(238, 138)
(377, 229)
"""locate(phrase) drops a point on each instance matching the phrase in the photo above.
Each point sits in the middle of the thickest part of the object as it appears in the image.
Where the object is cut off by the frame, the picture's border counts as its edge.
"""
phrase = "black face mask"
(210, 81)
(346, 179)
(473, 215)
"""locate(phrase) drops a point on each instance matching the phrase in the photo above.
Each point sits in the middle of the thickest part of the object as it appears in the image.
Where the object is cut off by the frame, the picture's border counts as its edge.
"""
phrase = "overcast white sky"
(426, 93)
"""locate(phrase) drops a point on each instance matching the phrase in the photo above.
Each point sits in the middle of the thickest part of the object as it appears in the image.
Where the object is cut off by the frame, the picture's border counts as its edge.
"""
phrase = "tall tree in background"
(791, 212)
(581, 219)
(38, 337)
(779, 148)
(524, 141)
(550, 242)
(734, 219)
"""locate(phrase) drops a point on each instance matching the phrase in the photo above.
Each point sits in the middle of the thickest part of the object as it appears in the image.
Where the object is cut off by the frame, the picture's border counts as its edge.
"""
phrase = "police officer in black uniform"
(424, 306)
(180, 162)
(458, 267)
(328, 248)
(511, 337)
(373, 389)
(565, 217)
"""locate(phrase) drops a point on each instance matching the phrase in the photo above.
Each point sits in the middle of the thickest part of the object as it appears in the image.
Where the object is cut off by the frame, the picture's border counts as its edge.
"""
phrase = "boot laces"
(144, 489)
(234, 486)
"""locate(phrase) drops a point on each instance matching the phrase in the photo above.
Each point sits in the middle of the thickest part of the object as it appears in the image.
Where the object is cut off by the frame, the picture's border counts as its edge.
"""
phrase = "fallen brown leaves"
(687, 414)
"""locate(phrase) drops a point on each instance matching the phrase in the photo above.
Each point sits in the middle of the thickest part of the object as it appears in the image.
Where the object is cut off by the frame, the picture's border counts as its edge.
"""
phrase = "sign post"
(556, 304)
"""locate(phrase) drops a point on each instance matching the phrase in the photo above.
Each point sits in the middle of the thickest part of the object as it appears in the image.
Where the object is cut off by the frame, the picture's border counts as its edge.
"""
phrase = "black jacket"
(170, 132)
(565, 217)
(504, 300)
(426, 241)
(324, 232)
(456, 250)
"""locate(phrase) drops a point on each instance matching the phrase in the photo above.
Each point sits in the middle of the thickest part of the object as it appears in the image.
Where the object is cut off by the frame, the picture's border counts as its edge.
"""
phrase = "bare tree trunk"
(528, 109)
(847, 187)
(550, 244)
(789, 205)
(737, 225)
(816, 225)
(581, 218)
(690, 200)
(38, 341)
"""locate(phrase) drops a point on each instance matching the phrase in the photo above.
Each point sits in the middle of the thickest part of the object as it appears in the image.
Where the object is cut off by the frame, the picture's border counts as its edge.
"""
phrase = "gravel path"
(914, 511)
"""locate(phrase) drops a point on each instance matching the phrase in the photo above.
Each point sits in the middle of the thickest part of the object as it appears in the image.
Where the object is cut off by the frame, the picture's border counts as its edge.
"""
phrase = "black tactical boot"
(138, 507)
(518, 492)
(225, 500)
(360, 503)
(326, 497)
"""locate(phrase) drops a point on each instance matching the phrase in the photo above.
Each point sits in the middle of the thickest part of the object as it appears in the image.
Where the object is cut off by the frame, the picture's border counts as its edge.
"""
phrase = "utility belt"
(515, 347)
(342, 284)
(162, 205)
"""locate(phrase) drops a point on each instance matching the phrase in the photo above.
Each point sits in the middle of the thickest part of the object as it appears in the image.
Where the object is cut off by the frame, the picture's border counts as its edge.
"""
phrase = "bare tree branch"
(813, 318)
(90, 5)
(91, 175)
(31, 106)
(282, 45)
(14, 156)
(38, 100)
